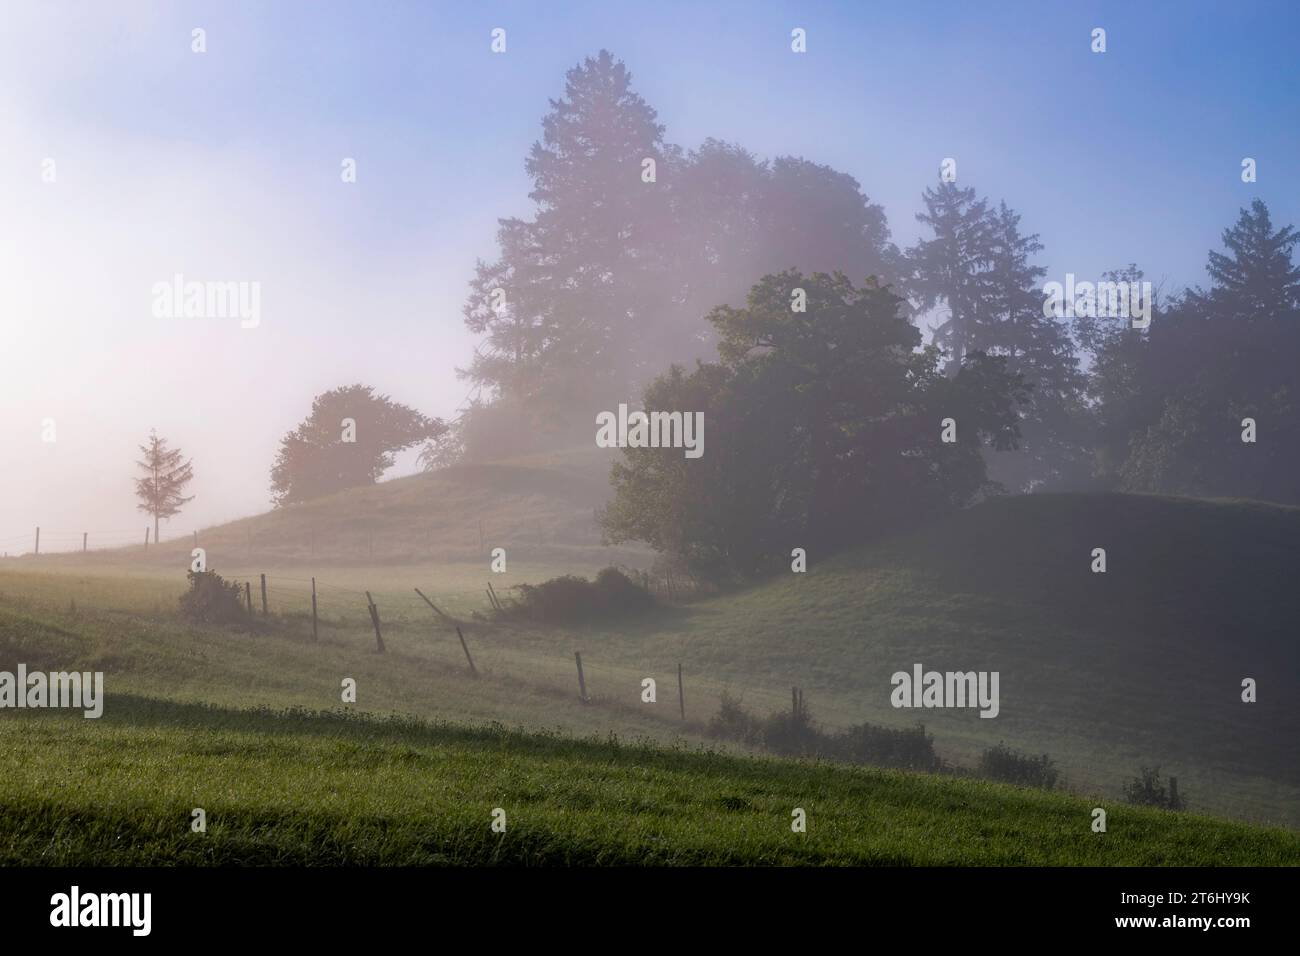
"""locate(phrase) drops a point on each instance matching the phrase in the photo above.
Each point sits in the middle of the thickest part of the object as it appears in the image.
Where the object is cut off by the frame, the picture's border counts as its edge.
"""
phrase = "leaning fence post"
(582, 683)
(263, 595)
(435, 607)
(464, 647)
(374, 619)
(314, 635)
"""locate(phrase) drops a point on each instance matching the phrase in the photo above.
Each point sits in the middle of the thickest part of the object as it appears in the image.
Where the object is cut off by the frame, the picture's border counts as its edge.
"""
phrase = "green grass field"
(330, 788)
(1139, 666)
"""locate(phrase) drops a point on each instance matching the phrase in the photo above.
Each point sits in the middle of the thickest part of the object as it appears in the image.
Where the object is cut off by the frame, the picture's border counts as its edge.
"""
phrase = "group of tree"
(350, 438)
(825, 422)
(641, 256)
(610, 280)
(824, 428)
(1207, 400)
(632, 241)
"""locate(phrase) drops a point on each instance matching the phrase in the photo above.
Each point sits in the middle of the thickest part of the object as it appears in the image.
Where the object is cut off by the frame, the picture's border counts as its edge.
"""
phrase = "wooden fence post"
(435, 607)
(496, 601)
(84, 536)
(464, 647)
(582, 683)
(314, 635)
(38, 539)
(264, 595)
(248, 597)
(374, 619)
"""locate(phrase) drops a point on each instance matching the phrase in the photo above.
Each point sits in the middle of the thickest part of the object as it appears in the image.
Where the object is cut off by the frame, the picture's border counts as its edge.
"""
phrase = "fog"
(226, 167)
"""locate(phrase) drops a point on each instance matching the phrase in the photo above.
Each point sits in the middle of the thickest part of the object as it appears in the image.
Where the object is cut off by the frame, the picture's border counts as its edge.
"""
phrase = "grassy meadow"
(1106, 673)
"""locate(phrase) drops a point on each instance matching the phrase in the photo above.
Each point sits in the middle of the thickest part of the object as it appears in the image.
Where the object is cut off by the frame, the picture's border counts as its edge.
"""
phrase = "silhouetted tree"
(348, 440)
(610, 281)
(823, 429)
(1172, 403)
(979, 266)
(165, 478)
(582, 283)
(1054, 435)
(1255, 278)
(950, 268)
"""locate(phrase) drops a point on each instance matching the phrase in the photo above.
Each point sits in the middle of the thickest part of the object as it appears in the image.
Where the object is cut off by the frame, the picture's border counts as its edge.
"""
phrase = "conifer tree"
(161, 488)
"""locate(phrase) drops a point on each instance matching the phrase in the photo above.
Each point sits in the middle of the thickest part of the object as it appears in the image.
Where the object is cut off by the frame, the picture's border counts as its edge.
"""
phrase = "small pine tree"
(165, 478)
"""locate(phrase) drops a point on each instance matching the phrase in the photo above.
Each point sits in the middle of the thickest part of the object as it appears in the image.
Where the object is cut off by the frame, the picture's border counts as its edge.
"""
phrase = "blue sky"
(227, 164)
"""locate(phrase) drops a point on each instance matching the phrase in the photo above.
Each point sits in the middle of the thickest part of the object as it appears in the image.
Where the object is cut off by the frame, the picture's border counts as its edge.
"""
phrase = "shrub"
(794, 734)
(1011, 766)
(910, 749)
(734, 722)
(212, 600)
(1148, 790)
(573, 600)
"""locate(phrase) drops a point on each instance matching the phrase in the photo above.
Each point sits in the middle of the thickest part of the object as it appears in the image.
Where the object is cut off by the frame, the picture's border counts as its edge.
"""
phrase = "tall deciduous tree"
(161, 488)
(349, 439)
(825, 425)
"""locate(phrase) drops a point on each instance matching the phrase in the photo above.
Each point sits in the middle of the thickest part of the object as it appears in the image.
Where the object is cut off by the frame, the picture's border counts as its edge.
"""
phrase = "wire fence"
(58, 541)
(337, 542)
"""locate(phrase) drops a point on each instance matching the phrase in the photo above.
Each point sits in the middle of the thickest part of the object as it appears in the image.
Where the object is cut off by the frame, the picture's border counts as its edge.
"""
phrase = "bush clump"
(1011, 766)
(212, 600)
(909, 749)
(734, 722)
(571, 600)
(793, 733)
(1149, 790)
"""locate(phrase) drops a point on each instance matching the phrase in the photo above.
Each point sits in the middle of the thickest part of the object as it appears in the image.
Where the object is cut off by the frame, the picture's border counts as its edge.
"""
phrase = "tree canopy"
(825, 428)
(349, 439)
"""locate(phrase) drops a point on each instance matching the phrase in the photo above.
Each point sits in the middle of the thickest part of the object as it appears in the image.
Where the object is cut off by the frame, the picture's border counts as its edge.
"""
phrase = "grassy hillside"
(328, 788)
(539, 507)
(1140, 665)
(1107, 672)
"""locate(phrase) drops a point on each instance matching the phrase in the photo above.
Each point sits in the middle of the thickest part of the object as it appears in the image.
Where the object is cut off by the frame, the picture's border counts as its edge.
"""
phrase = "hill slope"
(541, 506)
(1141, 665)
(330, 788)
